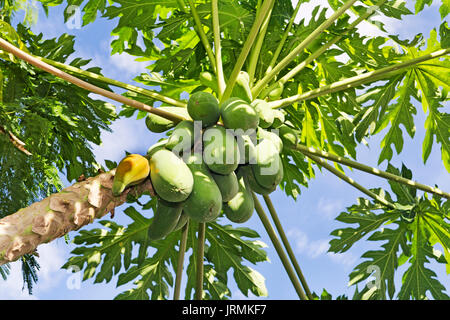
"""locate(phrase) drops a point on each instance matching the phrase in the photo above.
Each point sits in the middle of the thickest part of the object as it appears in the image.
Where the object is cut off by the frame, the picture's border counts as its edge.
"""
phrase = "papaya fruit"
(252, 183)
(238, 114)
(131, 170)
(157, 146)
(246, 144)
(228, 185)
(209, 80)
(158, 124)
(241, 88)
(204, 107)
(182, 137)
(272, 136)
(171, 178)
(288, 135)
(278, 118)
(205, 201)
(165, 219)
(220, 150)
(276, 92)
(181, 221)
(241, 207)
(268, 169)
(265, 113)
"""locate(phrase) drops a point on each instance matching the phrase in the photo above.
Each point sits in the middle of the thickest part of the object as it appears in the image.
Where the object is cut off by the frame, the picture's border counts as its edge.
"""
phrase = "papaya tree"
(324, 86)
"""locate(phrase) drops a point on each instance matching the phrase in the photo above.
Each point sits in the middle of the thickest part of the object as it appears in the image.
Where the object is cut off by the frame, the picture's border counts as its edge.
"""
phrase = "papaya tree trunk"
(56, 215)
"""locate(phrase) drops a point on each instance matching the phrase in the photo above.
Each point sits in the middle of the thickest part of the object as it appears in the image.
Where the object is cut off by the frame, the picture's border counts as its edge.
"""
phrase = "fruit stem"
(217, 47)
(254, 55)
(325, 47)
(297, 50)
(283, 39)
(85, 85)
(201, 33)
(350, 181)
(353, 164)
(287, 246)
(180, 264)
(116, 83)
(246, 48)
(356, 81)
(200, 257)
(277, 245)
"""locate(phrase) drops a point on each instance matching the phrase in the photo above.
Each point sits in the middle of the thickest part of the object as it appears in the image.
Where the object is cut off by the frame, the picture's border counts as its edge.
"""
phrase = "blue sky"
(307, 221)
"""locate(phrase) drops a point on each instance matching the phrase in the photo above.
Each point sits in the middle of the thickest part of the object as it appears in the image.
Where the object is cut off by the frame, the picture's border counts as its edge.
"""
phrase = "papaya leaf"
(363, 214)
(102, 253)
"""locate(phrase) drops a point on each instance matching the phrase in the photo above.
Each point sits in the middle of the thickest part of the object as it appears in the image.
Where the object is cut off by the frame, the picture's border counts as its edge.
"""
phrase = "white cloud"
(346, 259)
(329, 208)
(317, 248)
(127, 135)
(51, 258)
(312, 248)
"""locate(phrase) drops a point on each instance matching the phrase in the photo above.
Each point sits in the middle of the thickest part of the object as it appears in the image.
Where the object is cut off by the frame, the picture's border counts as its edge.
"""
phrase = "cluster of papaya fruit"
(212, 161)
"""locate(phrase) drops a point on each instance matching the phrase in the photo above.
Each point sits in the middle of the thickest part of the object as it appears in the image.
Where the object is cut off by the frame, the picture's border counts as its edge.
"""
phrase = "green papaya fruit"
(131, 170)
(157, 146)
(182, 137)
(171, 178)
(159, 124)
(205, 202)
(272, 136)
(268, 169)
(278, 118)
(165, 219)
(204, 107)
(247, 150)
(220, 150)
(265, 113)
(228, 185)
(276, 92)
(238, 114)
(209, 80)
(241, 88)
(247, 171)
(181, 221)
(288, 135)
(241, 207)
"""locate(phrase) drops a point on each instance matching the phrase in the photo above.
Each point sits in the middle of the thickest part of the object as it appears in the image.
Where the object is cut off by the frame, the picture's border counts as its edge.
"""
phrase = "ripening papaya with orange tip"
(131, 170)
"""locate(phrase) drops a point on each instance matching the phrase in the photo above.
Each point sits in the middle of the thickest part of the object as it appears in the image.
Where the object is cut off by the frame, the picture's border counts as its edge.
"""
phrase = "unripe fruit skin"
(247, 172)
(181, 221)
(228, 185)
(288, 135)
(272, 136)
(204, 107)
(238, 114)
(157, 146)
(205, 201)
(182, 137)
(171, 178)
(241, 88)
(220, 150)
(268, 169)
(276, 93)
(131, 170)
(165, 219)
(209, 80)
(278, 119)
(247, 152)
(265, 113)
(158, 124)
(241, 207)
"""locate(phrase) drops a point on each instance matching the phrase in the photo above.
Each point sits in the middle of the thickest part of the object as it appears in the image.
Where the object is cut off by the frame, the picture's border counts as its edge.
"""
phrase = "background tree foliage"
(57, 121)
